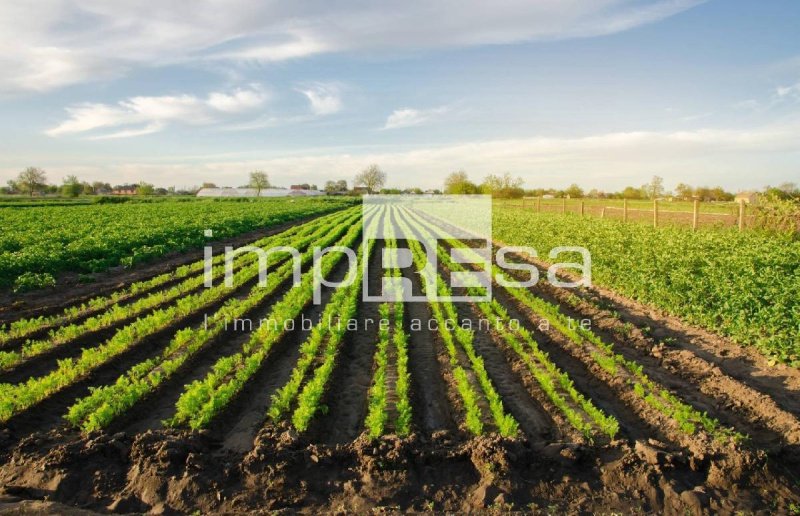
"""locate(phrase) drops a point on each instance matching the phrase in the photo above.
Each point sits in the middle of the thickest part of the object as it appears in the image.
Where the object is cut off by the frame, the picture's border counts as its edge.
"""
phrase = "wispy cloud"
(137, 116)
(49, 44)
(324, 98)
(408, 117)
(607, 160)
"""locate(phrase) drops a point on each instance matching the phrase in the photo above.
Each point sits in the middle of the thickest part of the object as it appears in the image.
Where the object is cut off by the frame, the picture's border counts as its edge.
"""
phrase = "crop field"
(38, 242)
(193, 390)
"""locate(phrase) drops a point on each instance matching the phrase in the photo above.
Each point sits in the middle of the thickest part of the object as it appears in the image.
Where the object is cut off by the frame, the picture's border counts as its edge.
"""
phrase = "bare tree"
(259, 181)
(31, 179)
(372, 177)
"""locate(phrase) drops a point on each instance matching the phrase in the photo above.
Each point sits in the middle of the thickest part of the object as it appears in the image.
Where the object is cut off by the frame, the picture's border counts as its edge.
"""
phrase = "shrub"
(33, 280)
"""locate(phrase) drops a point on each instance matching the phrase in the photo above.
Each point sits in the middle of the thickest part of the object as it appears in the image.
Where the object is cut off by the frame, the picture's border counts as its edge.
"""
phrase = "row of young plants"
(579, 411)
(17, 397)
(50, 239)
(204, 399)
(106, 403)
(687, 418)
(60, 336)
(741, 284)
(24, 327)
(451, 333)
(325, 332)
(390, 334)
(309, 398)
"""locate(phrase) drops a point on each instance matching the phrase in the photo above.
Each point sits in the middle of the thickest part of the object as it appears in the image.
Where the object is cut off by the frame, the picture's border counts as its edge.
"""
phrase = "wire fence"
(658, 212)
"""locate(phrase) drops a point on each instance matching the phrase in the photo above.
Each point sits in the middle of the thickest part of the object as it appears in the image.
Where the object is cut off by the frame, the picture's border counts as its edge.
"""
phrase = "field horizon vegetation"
(532, 257)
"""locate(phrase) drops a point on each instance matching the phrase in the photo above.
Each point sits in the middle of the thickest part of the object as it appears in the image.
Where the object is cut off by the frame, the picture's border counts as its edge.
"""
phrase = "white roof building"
(251, 192)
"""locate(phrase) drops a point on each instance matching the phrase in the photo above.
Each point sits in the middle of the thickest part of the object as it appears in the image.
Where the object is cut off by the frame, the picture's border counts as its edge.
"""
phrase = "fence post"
(523, 203)
(655, 213)
(741, 214)
(563, 205)
(582, 210)
(539, 204)
(695, 214)
(603, 213)
(625, 210)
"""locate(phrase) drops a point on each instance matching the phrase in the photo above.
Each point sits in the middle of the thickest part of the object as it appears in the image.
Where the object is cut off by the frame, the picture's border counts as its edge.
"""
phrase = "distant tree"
(655, 188)
(100, 188)
(684, 192)
(209, 185)
(258, 181)
(12, 187)
(372, 178)
(31, 179)
(145, 188)
(631, 192)
(71, 187)
(574, 191)
(594, 193)
(503, 186)
(332, 187)
(457, 183)
(415, 191)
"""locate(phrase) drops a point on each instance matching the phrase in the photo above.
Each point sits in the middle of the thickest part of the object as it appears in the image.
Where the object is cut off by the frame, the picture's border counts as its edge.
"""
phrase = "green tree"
(458, 183)
(574, 191)
(145, 188)
(684, 192)
(71, 187)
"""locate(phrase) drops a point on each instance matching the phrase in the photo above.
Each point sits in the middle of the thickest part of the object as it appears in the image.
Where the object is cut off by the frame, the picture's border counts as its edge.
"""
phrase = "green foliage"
(744, 284)
(94, 237)
(32, 281)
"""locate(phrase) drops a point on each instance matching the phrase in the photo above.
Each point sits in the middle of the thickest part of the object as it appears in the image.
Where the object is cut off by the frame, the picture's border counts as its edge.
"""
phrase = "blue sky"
(604, 93)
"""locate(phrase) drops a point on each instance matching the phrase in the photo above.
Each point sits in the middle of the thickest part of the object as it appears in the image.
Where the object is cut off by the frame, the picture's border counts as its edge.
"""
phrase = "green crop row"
(393, 334)
(105, 404)
(24, 327)
(204, 399)
(308, 401)
(443, 312)
(556, 384)
(687, 417)
(91, 238)
(17, 397)
(66, 334)
(282, 399)
(742, 284)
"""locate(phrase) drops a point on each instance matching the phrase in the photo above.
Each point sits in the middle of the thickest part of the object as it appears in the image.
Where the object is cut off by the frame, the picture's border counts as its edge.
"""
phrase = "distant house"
(747, 197)
(252, 192)
(548, 196)
(123, 191)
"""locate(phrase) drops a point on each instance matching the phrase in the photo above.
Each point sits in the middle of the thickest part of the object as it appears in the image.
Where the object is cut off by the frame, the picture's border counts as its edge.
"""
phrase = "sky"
(603, 93)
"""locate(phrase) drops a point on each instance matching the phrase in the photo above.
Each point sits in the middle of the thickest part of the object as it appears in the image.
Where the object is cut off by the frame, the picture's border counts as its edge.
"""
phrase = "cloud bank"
(49, 44)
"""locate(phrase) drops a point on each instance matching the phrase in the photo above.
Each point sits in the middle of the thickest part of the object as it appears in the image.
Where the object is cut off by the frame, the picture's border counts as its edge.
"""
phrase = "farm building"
(252, 192)
(747, 197)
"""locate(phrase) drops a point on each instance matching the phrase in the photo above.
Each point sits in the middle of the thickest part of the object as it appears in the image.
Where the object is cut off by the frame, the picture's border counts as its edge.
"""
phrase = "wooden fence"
(658, 212)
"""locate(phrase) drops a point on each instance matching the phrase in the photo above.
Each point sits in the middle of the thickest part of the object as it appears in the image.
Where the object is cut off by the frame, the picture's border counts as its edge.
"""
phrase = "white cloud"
(786, 92)
(325, 98)
(408, 117)
(137, 116)
(48, 44)
(734, 158)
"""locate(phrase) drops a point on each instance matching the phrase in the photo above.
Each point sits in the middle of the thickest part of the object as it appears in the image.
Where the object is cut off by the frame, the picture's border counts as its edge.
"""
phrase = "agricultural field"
(38, 241)
(179, 392)
(743, 285)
